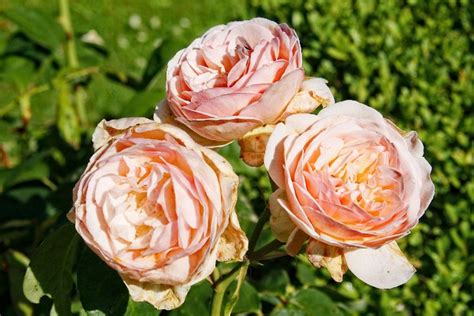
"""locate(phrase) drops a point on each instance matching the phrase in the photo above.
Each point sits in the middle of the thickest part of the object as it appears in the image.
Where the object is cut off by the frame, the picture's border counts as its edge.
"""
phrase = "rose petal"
(222, 129)
(383, 268)
(275, 99)
(161, 296)
(106, 130)
(233, 244)
(280, 222)
(295, 242)
(323, 255)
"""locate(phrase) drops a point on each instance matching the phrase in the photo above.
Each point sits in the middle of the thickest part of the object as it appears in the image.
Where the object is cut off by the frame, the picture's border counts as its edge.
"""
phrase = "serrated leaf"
(50, 270)
(100, 287)
(41, 28)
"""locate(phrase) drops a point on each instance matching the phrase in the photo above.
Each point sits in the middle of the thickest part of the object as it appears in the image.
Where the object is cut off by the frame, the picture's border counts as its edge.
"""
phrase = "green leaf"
(142, 103)
(17, 264)
(17, 71)
(34, 168)
(314, 302)
(275, 281)
(287, 312)
(248, 299)
(197, 301)
(100, 287)
(37, 26)
(140, 309)
(50, 270)
(158, 59)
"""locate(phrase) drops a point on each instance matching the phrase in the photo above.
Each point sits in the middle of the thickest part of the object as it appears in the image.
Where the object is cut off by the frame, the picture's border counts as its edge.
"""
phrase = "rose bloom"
(352, 183)
(237, 77)
(158, 208)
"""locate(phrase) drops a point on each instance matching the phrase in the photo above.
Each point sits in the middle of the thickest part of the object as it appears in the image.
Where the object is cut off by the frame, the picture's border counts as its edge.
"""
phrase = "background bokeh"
(411, 60)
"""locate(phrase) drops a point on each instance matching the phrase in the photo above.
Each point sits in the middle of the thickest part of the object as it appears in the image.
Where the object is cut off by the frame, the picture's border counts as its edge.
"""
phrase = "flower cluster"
(157, 203)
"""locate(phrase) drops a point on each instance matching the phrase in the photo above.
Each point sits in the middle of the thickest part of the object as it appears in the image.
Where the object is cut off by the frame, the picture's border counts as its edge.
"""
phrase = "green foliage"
(50, 270)
(100, 288)
(411, 60)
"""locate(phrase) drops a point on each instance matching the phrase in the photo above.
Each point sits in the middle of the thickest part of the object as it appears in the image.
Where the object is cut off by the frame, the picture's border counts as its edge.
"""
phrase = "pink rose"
(237, 77)
(352, 183)
(158, 208)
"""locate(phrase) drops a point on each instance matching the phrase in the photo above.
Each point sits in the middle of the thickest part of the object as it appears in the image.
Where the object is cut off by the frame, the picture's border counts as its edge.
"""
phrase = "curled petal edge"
(161, 296)
(163, 114)
(107, 130)
(323, 255)
(233, 244)
(280, 222)
(313, 93)
(384, 268)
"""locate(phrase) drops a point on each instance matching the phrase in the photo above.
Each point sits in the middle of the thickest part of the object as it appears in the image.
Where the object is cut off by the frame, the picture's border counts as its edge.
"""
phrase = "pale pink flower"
(237, 77)
(352, 183)
(158, 208)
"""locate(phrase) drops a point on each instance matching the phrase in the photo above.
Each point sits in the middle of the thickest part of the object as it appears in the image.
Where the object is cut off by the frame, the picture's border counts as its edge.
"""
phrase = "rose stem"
(262, 252)
(221, 285)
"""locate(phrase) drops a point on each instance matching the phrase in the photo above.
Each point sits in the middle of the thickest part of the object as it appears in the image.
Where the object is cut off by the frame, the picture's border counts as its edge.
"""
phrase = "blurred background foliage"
(59, 75)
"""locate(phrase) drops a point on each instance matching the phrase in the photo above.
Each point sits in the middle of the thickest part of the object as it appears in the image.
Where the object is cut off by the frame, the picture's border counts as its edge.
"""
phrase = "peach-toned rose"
(237, 77)
(158, 208)
(352, 183)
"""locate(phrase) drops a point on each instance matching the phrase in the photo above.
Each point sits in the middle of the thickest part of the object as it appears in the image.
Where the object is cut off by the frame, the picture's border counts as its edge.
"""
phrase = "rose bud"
(158, 208)
(253, 144)
(350, 183)
(238, 77)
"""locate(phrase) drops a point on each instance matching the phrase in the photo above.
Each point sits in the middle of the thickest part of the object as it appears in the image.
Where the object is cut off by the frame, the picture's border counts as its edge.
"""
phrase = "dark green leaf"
(100, 287)
(34, 168)
(197, 302)
(288, 312)
(36, 25)
(275, 281)
(50, 270)
(141, 309)
(314, 302)
(248, 299)
(156, 62)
